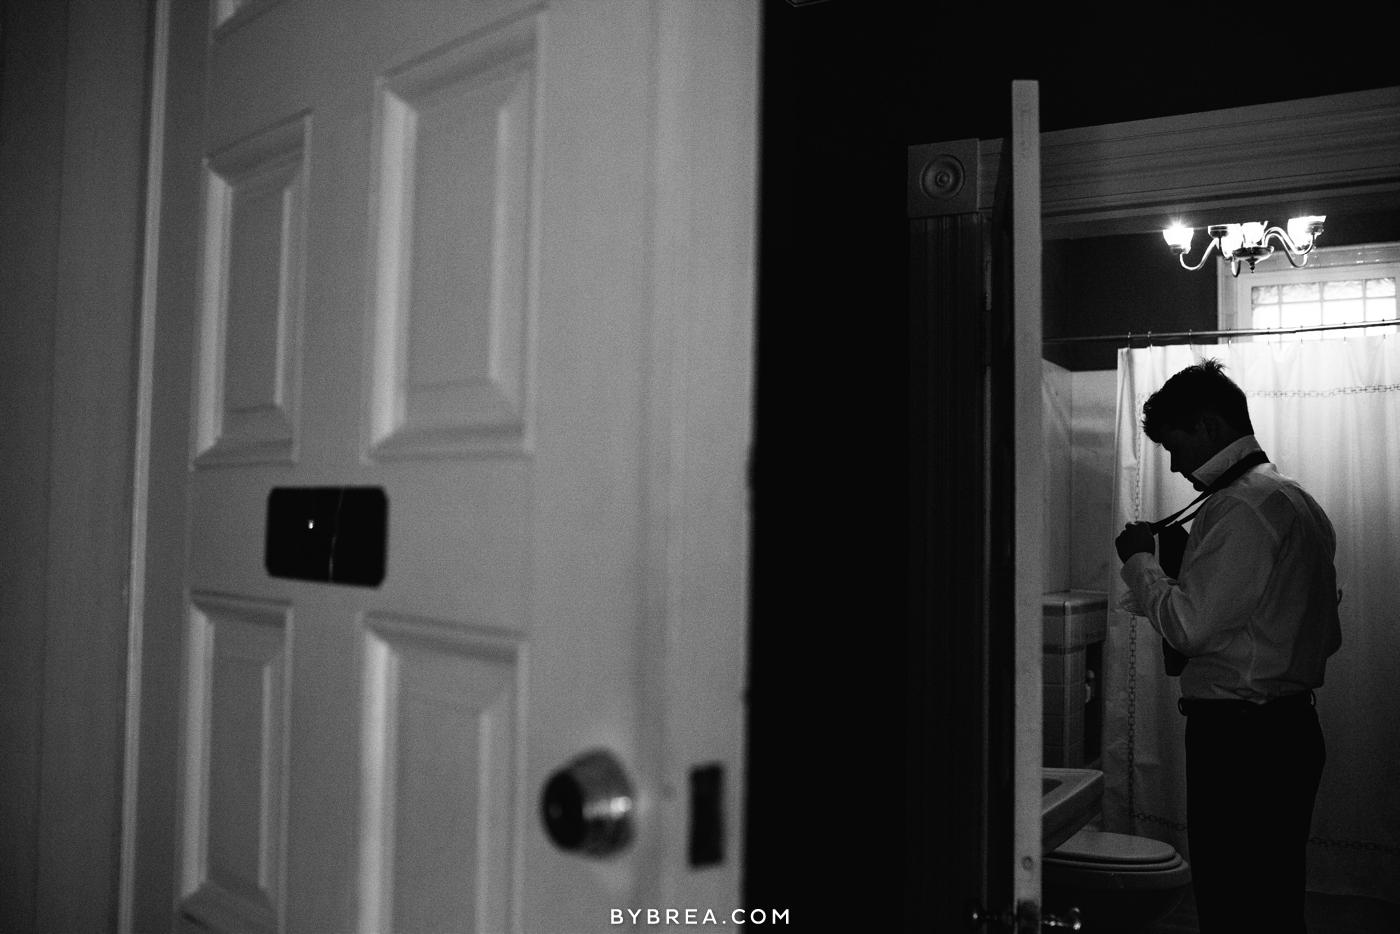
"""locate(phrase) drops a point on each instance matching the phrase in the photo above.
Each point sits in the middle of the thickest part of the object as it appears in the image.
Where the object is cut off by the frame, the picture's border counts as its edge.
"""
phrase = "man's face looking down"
(1190, 450)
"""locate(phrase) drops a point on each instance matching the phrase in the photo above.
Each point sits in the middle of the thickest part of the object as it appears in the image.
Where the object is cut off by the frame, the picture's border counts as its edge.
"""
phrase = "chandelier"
(1248, 243)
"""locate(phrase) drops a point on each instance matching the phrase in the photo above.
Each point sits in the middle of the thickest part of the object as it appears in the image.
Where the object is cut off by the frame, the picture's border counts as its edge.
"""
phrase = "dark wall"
(70, 214)
(825, 762)
(1119, 285)
(1097, 65)
(31, 185)
(1133, 284)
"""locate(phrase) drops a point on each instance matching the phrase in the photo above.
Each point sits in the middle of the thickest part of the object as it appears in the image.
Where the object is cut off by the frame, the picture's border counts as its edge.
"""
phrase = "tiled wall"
(1077, 460)
(1074, 620)
(1094, 396)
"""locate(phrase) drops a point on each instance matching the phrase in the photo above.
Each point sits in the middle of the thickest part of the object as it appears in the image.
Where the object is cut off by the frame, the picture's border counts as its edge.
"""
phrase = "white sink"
(1069, 800)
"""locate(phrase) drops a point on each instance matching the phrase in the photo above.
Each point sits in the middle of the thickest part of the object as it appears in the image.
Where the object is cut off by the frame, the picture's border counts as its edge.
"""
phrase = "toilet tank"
(1075, 623)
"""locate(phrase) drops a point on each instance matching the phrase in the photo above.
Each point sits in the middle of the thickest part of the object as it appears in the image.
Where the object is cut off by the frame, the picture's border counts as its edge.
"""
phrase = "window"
(1339, 285)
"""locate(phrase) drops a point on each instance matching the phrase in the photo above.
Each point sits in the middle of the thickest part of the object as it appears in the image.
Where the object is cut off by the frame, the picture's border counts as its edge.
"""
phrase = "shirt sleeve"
(1222, 579)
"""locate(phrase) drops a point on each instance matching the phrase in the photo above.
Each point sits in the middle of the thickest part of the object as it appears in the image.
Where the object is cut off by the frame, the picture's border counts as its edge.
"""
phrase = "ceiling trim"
(1341, 150)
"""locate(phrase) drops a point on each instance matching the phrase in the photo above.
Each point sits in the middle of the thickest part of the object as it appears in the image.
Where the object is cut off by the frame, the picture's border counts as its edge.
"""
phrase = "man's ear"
(1213, 426)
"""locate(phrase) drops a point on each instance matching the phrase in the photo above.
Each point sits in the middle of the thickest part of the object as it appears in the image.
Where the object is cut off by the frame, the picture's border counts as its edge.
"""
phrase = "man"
(1254, 608)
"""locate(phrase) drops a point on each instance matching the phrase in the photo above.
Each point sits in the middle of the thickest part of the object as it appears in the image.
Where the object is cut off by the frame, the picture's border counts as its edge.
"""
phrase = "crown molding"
(1342, 149)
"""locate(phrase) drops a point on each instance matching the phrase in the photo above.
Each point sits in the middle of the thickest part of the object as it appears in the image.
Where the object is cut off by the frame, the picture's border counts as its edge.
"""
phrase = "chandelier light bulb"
(1233, 239)
(1253, 232)
(1178, 237)
(1301, 230)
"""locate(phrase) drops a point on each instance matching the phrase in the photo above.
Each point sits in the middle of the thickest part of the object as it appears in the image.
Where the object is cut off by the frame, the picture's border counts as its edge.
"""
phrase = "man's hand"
(1135, 537)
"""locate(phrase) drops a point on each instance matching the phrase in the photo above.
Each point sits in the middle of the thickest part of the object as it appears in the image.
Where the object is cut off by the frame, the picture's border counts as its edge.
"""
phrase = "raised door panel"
(235, 750)
(439, 837)
(251, 301)
(453, 182)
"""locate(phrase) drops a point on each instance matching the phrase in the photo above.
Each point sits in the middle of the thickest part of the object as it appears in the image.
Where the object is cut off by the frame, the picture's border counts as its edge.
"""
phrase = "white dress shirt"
(1255, 607)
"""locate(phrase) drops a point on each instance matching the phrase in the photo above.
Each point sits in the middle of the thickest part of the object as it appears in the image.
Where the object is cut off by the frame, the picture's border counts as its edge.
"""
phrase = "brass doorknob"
(588, 806)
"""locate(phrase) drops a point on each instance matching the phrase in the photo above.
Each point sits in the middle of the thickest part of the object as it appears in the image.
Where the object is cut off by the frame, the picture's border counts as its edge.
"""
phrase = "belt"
(1191, 706)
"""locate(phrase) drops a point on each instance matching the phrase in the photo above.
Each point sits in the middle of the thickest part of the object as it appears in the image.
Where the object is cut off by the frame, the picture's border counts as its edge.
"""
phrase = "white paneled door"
(494, 259)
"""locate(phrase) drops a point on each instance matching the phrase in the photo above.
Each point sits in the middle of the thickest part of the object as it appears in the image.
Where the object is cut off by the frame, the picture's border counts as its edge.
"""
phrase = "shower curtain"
(1328, 414)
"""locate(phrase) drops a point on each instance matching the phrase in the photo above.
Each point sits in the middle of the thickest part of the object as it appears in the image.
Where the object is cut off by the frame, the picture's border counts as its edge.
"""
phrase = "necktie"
(1171, 540)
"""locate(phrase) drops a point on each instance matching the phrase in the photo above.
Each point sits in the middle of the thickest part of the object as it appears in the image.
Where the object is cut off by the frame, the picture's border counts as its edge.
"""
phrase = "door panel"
(454, 155)
(425, 681)
(254, 252)
(402, 777)
(425, 264)
(235, 768)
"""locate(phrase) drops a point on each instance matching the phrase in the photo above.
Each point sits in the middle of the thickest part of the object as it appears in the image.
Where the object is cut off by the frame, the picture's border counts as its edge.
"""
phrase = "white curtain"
(1328, 414)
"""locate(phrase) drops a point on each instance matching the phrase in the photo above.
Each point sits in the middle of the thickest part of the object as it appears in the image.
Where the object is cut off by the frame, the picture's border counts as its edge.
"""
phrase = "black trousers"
(1251, 780)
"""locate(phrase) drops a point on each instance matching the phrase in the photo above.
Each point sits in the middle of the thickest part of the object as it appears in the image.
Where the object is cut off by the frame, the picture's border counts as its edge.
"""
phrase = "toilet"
(1121, 884)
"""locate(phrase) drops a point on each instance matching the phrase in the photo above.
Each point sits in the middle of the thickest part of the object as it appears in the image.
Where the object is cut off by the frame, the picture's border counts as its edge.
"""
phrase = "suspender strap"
(1237, 470)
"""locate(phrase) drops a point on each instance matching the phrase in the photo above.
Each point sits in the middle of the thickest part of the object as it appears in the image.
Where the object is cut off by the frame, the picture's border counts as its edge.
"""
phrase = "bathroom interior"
(1095, 286)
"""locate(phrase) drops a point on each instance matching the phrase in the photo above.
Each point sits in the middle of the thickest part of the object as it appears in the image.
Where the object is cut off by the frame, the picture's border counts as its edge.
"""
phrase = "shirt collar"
(1228, 456)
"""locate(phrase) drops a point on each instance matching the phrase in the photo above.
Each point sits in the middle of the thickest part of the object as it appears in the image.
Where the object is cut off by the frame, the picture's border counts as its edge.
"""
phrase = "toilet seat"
(1100, 860)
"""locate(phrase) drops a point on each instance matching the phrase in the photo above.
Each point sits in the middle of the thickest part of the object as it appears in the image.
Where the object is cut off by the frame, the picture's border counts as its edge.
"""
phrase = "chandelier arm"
(1287, 241)
(1214, 244)
(1282, 237)
(1288, 254)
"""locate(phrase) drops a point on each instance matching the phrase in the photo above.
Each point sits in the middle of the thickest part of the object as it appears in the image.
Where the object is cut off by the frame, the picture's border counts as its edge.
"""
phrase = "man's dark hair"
(1193, 392)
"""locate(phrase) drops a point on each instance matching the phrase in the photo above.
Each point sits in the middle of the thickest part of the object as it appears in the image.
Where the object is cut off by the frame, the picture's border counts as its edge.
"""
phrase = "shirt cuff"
(1138, 572)
(1137, 563)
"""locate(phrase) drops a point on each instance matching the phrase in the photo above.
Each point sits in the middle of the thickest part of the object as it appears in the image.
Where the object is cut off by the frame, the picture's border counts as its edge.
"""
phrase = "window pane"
(1344, 312)
(1341, 288)
(1379, 309)
(1300, 315)
(1262, 310)
(1300, 292)
(1285, 307)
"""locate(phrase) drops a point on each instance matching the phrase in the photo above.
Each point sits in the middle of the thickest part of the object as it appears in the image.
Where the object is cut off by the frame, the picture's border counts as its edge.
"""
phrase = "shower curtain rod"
(1149, 336)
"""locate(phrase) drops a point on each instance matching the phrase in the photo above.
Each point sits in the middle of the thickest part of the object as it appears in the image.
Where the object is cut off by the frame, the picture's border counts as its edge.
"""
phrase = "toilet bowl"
(1120, 884)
